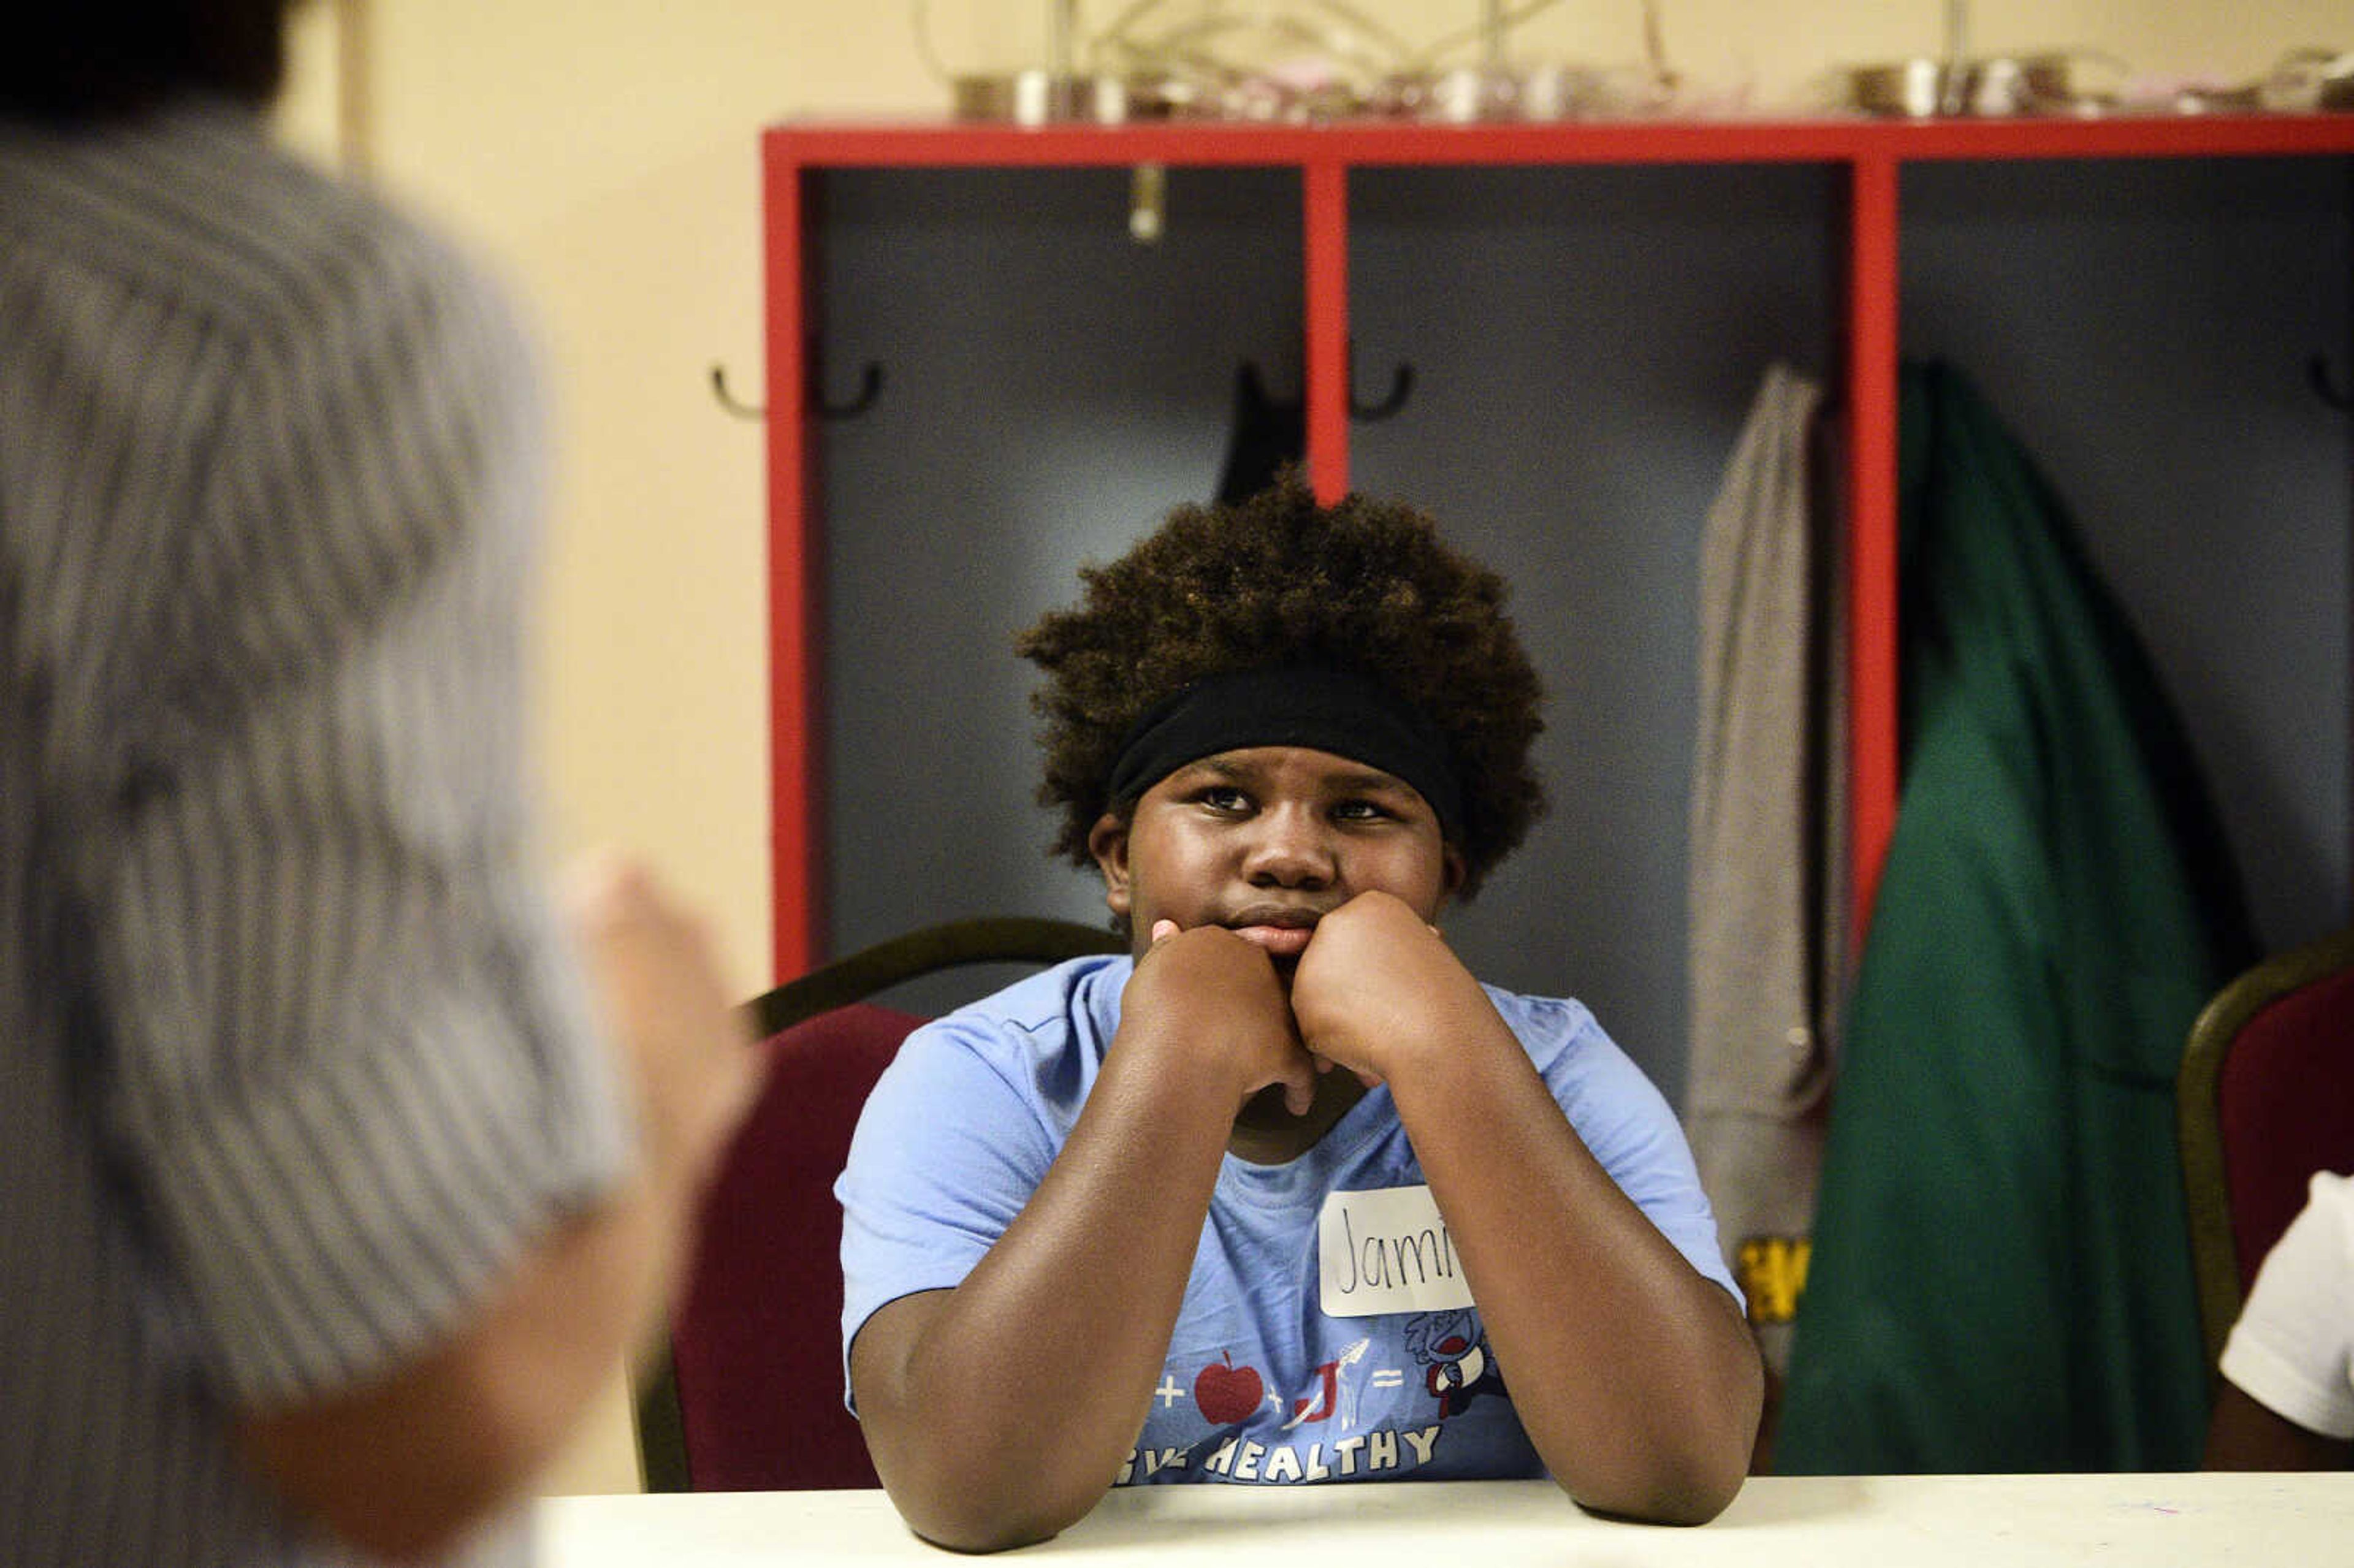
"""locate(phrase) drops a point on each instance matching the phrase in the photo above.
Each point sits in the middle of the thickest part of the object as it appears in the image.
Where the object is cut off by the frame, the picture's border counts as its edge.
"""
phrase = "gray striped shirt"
(291, 1061)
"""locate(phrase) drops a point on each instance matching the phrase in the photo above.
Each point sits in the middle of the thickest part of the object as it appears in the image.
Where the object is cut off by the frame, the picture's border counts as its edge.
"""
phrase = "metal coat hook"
(1401, 387)
(870, 387)
(729, 401)
(2324, 384)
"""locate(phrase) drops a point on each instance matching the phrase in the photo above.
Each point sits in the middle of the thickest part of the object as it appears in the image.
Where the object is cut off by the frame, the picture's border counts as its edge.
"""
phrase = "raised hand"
(686, 1049)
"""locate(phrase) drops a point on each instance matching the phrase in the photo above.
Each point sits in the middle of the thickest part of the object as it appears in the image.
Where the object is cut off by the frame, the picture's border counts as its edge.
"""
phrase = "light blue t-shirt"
(1283, 1367)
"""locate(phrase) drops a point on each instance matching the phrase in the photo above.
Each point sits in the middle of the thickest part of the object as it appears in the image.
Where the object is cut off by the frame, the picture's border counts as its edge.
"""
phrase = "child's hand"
(1377, 983)
(1217, 999)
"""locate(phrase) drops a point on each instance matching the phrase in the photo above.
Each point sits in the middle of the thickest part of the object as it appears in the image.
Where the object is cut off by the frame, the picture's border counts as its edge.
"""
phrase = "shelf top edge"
(948, 143)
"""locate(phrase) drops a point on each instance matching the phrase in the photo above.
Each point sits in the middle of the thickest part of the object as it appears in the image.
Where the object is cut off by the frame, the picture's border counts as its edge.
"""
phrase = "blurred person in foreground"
(334, 1189)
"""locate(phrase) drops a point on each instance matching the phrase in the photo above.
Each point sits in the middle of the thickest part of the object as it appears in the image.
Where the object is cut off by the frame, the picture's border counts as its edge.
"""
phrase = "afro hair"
(1364, 585)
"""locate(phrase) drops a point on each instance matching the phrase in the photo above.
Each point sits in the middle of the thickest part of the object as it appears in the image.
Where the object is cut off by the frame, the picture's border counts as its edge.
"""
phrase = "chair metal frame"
(2214, 1236)
(661, 1416)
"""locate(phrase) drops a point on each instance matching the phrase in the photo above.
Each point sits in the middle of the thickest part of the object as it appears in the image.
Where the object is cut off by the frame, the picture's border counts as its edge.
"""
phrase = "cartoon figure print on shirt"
(1364, 1413)
(1457, 1367)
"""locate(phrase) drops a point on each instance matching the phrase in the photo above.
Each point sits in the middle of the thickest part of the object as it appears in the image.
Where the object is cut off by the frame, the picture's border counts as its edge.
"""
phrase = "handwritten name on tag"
(1386, 1251)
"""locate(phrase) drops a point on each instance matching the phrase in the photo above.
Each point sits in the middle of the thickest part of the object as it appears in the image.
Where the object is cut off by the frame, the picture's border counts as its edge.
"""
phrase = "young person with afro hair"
(1288, 1195)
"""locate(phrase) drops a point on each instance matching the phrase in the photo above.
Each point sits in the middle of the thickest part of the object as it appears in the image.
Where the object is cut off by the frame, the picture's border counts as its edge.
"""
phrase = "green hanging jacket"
(2001, 1278)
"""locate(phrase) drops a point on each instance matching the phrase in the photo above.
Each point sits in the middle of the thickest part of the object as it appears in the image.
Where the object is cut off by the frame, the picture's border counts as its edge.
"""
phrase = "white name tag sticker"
(1386, 1251)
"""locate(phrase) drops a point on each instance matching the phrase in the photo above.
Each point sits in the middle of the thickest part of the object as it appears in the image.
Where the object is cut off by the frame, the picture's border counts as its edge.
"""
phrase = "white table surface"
(1883, 1521)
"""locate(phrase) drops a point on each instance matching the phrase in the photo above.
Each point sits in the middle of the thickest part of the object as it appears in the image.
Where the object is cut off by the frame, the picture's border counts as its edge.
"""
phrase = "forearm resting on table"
(974, 1458)
(1077, 1298)
(1635, 1376)
(404, 1466)
(974, 1461)
(1678, 1446)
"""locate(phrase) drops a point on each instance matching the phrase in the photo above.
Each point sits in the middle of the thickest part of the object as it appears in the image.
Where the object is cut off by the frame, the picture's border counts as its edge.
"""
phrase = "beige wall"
(601, 154)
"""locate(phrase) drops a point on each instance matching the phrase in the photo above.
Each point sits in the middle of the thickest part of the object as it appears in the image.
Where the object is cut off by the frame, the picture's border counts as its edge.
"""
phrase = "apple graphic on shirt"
(1226, 1395)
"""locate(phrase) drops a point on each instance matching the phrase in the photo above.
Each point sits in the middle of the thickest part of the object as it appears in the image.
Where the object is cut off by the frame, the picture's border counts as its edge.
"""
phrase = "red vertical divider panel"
(1872, 353)
(796, 807)
(1325, 197)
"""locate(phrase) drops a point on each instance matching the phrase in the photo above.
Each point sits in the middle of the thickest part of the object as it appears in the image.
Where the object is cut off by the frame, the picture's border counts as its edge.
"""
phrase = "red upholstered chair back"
(2266, 1099)
(749, 1397)
(756, 1341)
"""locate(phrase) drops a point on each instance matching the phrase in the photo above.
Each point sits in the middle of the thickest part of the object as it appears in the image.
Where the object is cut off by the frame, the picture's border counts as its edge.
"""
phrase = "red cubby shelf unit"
(1872, 153)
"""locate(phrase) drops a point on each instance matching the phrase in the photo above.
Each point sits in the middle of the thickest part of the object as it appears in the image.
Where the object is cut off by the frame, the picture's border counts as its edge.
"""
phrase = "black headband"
(1347, 714)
